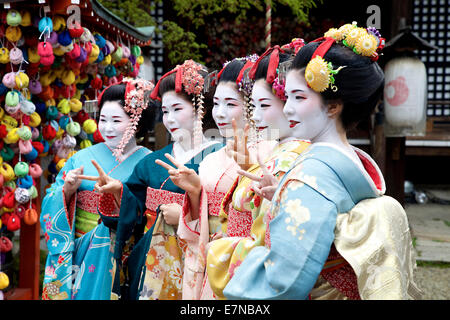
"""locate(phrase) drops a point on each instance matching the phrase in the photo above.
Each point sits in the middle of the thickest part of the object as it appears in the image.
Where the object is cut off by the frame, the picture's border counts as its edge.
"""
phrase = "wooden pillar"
(395, 168)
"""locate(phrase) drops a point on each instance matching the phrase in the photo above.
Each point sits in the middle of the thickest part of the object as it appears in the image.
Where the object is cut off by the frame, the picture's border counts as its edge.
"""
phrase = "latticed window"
(157, 53)
(431, 21)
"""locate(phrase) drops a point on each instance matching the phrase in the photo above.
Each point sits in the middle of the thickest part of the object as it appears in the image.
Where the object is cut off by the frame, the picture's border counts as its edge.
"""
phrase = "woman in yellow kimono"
(268, 99)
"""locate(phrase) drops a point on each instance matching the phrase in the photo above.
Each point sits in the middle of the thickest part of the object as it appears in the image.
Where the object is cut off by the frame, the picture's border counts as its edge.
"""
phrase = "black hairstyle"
(146, 122)
(263, 65)
(231, 71)
(168, 84)
(360, 83)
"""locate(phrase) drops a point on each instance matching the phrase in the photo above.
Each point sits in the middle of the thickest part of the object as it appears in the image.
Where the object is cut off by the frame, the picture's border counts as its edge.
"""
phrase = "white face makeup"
(113, 123)
(178, 115)
(228, 105)
(268, 113)
(304, 109)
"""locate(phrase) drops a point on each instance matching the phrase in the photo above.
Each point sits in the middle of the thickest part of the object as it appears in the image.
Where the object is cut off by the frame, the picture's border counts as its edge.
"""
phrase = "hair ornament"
(366, 42)
(295, 45)
(319, 74)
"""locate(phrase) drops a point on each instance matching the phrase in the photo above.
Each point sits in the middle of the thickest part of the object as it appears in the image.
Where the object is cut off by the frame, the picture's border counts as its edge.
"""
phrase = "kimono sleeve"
(57, 216)
(57, 223)
(132, 205)
(301, 236)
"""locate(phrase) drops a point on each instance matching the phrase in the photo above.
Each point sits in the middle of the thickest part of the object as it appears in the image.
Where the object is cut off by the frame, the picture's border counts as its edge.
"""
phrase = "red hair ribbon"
(220, 73)
(323, 48)
(247, 65)
(273, 64)
(154, 94)
(99, 99)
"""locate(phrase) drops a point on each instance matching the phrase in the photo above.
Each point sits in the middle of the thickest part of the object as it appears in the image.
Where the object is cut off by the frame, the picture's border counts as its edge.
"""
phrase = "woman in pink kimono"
(200, 222)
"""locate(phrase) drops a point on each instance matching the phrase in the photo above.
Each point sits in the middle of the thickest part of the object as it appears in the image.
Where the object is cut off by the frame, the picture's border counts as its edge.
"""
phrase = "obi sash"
(239, 222)
(214, 201)
(157, 197)
(86, 217)
(338, 272)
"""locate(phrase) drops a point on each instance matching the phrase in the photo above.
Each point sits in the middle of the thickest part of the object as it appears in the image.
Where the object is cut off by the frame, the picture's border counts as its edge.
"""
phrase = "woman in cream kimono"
(333, 235)
(79, 264)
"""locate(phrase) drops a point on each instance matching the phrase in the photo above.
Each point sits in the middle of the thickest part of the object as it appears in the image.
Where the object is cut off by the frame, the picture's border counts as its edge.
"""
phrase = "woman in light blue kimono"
(79, 263)
(329, 89)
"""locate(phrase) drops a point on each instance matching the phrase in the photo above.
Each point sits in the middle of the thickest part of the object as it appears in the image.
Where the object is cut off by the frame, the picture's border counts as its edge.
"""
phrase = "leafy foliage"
(179, 37)
(134, 12)
(180, 44)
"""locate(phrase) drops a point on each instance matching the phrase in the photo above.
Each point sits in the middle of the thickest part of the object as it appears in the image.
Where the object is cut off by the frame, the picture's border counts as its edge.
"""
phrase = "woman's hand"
(182, 177)
(237, 148)
(265, 185)
(104, 184)
(72, 182)
(171, 213)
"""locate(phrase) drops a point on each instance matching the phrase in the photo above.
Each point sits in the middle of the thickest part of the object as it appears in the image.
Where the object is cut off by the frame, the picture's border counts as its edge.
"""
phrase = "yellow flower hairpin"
(320, 75)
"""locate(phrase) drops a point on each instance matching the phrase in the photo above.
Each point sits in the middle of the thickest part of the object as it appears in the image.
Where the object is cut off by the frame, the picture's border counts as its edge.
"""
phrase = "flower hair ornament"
(189, 79)
(319, 74)
(137, 92)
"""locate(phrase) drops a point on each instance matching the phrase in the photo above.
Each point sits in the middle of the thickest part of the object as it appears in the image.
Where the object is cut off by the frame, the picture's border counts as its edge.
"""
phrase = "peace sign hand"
(105, 184)
(264, 186)
(237, 148)
(183, 177)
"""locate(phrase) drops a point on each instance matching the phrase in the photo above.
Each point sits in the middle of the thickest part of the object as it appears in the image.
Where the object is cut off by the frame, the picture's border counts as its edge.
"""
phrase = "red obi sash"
(157, 197)
(88, 200)
(338, 272)
(239, 222)
(214, 202)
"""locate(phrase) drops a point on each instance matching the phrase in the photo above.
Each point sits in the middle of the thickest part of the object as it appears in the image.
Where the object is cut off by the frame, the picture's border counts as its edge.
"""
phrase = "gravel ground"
(434, 282)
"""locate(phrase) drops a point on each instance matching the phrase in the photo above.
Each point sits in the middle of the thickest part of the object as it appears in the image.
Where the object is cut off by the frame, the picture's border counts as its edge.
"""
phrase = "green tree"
(179, 37)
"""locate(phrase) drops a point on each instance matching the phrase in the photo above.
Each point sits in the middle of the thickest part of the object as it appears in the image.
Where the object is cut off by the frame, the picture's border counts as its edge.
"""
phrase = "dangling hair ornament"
(137, 92)
(245, 85)
(189, 79)
(319, 74)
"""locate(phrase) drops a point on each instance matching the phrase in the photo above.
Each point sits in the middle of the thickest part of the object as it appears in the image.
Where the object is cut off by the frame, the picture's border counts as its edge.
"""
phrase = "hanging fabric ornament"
(16, 55)
(13, 18)
(9, 80)
(73, 128)
(21, 169)
(35, 170)
(89, 126)
(13, 34)
(26, 19)
(30, 217)
(4, 55)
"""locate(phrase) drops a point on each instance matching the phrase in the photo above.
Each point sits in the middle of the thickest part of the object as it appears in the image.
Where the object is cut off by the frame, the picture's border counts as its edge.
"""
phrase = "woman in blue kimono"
(316, 226)
(155, 265)
(79, 263)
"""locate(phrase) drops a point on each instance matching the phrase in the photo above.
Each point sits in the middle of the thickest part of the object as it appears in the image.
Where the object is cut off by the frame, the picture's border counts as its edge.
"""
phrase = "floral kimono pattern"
(156, 263)
(236, 248)
(80, 264)
(217, 173)
(321, 187)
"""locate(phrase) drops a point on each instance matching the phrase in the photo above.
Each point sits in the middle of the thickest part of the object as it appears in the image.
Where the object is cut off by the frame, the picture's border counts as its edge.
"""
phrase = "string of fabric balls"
(48, 73)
